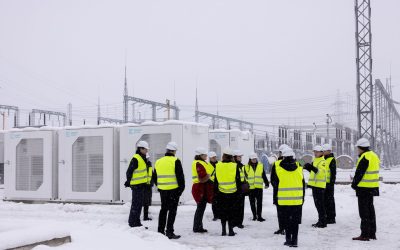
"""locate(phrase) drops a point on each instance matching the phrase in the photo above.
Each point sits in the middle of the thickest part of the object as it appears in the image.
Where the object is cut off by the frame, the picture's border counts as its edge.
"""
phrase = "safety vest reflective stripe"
(289, 189)
(225, 173)
(371, 176)
(318, 179)
(139, 175)
(166, 178)
(290, 198)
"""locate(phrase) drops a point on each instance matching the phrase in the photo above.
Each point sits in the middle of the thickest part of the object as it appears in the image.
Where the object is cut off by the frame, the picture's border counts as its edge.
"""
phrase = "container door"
(28, 165)
(218, 141)
(157, 136)
(86, 164)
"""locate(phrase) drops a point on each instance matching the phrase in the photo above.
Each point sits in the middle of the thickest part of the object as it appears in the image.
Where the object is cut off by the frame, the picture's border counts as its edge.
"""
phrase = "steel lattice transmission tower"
(364, 70)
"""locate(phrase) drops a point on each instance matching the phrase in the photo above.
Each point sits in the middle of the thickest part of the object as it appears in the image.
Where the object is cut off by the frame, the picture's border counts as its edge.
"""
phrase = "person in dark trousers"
(202, 188)
(290, 196)
(330, 184)
(136, 179)
(317, 181)
(212, 158)
(239, 216)
(148, 192)
(274, 183)
(227, 183)
(170, 181)
(256, 178)
(366, 185)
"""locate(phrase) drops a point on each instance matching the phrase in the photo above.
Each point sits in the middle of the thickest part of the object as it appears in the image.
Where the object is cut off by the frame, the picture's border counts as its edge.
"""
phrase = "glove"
(307, 167)
(127, 184)
(266, 186)
(353, 186)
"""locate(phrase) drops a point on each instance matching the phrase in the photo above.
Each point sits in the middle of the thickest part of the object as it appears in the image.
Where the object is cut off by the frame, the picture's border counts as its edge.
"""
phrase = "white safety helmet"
(237, 152)
(227, 151)
(253, 156)
(318, 148)
(363, 142)
(282, 147)
(201, 151)
(288, 152)
(143, 144)
(212, 154)
(172, 146)
(327, 147)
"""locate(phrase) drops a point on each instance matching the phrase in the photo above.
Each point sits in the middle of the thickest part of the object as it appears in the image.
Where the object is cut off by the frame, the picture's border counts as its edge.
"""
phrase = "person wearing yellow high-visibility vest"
(256, 178)
(274, 184)
(317, 182)
(366, 185)
(227, 183)
(212, 159)
(137, 177)
(170, 180)
(239, 215)
(202, 188)
(290, 194)
(330, 184)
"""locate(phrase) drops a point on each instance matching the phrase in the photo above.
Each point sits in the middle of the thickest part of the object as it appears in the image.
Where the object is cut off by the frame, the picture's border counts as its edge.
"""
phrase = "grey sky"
(260, 51)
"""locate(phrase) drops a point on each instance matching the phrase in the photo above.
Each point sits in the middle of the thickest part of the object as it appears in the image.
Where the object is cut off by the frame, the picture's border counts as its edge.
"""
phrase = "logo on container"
(133, 131)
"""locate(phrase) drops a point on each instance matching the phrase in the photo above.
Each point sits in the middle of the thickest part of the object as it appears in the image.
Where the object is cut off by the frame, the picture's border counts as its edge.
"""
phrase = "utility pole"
(168, 110)
(4, 119)
(328, 122)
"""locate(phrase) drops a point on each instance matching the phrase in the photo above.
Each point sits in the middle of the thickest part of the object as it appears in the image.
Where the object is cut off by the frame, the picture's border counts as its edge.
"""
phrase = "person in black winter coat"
(330, 185)
(291, 214)
(239, 215)
(365, 195)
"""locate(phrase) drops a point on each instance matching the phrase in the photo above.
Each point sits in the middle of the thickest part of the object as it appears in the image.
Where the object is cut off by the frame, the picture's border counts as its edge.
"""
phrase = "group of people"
(225, 184)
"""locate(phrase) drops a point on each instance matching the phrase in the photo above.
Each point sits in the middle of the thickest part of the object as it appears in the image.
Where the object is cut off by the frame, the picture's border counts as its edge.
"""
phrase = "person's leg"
(295, 234)
(241, 214)
(259, 200)
(364, 212)
(372, 219)
(162, 218)
(223, 224)
(281, 229)
(252, 200)
(198, 216)
(173, 206)
(136, 207)
(330, 204)
(320, 203)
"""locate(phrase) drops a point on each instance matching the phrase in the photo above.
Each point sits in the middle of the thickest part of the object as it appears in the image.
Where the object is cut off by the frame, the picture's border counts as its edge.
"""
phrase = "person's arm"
(304, 189)
(202, 173)
(180, 177)
(309, 167)
(132, 166)
(361, 169)
(265, 179)
(274, 177)
(332, 168)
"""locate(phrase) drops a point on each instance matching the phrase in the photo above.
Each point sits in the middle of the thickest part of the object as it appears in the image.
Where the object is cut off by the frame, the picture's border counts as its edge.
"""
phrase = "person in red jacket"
(203, 187)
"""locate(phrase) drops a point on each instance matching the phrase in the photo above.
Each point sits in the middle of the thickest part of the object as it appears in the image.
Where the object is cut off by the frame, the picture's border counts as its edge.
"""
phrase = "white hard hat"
(272, 159)
(172, 146)
(143, 144)
(363, 142)
(237, 152)
(201, 151)
(212, 154)
(282, 147)
(327, 147)
(318, 148)
(287, 152)
(253, 156)
(227, 151)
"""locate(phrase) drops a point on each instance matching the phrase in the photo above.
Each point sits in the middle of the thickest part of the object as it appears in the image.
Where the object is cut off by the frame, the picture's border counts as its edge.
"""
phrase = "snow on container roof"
(245, 132)
(44, 128)
(168, 122)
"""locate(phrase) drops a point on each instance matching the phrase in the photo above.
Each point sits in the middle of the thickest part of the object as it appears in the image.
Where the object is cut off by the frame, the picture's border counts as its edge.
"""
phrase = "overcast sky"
(294, 53)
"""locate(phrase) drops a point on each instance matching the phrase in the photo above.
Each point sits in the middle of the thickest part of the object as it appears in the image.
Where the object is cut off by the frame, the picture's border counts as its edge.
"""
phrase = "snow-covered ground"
(105, 226)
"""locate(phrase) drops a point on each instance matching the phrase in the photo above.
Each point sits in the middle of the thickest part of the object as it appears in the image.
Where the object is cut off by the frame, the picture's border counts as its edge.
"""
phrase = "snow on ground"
(105, 226)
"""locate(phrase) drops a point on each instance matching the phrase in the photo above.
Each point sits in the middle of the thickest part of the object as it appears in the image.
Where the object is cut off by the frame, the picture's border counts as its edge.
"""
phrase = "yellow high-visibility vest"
(225, 173)
(149, 174)
(208, 167)
(328, 170)
(139, 175)
(318, 179)
(371, 176)
(290, 188)
(255, 177)
(166, 177)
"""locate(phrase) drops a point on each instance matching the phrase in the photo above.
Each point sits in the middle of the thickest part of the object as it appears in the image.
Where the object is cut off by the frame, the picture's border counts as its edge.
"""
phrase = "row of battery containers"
(89, 164)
